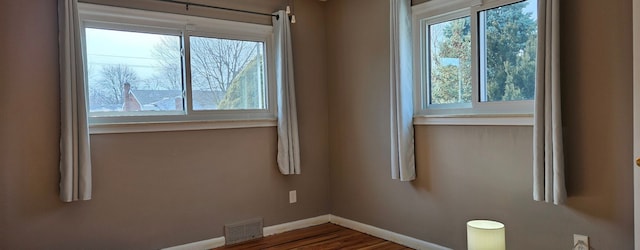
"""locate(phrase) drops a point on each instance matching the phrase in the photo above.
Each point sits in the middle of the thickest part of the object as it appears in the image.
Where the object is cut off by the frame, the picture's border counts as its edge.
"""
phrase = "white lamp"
(485, 235)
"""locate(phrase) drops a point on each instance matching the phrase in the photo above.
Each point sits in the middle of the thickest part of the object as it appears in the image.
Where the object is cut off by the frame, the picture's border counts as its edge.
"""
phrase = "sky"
(111, 47)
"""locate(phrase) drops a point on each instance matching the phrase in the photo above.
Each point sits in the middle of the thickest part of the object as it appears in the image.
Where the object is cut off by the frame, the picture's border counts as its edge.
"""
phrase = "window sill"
(144, 127)
(475, 120)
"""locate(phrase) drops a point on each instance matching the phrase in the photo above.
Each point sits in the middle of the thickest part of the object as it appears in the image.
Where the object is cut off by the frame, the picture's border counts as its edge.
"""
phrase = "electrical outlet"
(580, 242)
(292, 196)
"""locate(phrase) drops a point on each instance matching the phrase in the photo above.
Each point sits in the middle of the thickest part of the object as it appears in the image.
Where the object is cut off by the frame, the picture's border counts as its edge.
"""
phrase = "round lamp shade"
(485, 235)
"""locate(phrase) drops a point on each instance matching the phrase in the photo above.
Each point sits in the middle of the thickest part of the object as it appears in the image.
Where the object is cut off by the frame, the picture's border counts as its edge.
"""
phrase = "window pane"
(133, 72)
(508, 41)
(227, 74)
(450, 62)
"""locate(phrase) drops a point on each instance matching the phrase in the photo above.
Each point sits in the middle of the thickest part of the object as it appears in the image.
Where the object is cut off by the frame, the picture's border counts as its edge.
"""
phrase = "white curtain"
(288, 144)
(75, 159)
(402, 148)
(548, 156)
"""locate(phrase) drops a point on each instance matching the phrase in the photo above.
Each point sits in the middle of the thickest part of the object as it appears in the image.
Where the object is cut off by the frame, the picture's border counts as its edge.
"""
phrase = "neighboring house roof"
(166, 99)
(151, 96)
(162, 100)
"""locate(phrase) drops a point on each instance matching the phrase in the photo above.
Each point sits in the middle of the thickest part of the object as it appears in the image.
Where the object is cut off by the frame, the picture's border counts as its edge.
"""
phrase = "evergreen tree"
(510, 39)
(451, 72)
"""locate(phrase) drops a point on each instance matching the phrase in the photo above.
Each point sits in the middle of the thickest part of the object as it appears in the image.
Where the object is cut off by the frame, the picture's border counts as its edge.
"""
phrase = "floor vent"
(243, 231)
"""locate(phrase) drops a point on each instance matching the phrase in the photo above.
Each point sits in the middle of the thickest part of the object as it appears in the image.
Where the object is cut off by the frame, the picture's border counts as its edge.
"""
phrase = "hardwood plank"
(324, 236)
(267, 242)
(332, 241)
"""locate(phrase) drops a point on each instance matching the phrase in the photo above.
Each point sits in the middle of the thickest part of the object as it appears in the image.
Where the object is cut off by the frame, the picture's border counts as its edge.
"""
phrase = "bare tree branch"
(214, 62)
(112, 79)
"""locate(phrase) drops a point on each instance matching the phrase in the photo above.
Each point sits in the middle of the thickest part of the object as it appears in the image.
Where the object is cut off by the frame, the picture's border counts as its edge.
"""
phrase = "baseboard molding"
(200, 245)
(385, 234)
(299, 224)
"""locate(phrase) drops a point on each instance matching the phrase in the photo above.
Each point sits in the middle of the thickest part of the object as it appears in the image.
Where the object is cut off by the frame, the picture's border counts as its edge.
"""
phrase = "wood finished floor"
(325, 236)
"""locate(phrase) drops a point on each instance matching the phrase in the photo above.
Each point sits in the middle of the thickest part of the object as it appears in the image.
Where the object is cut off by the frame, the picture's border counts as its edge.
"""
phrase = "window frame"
(505, 112)
(145, 21)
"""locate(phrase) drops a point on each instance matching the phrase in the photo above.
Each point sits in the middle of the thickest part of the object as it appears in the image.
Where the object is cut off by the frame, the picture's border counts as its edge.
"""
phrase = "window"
(233, 68)
(144, 66)
(128, 73)
(475, 59)
(508, 40)
(450, 62)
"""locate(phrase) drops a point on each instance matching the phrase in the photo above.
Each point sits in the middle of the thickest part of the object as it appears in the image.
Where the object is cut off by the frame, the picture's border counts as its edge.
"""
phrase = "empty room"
(424, 124)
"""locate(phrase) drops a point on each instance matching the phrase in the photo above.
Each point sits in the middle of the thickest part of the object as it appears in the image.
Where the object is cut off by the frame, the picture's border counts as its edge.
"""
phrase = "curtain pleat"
(288, 144)
(548, 155)
(75, 159)
(402, 139)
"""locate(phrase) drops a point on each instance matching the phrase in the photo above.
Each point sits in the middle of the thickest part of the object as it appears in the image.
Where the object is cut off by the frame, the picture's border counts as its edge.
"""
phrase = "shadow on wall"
(597, 120)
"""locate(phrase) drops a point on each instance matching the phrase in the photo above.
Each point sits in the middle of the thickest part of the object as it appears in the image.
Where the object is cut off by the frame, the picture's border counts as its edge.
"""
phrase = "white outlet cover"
(576, 242)
(292, 196)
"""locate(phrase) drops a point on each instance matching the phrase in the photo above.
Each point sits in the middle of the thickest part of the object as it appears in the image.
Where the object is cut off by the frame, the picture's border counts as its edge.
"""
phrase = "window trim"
(119, 18)
(476, 120)
(442, 10)
(121, 128)
(425, 60)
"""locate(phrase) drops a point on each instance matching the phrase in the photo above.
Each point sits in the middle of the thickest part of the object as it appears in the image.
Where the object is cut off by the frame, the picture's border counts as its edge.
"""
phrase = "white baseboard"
(200, 245)
(385, 234)
(299, 224)
(328, 218)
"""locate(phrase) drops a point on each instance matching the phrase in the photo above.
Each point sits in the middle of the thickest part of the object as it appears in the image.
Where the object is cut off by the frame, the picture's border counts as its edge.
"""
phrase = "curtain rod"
(187, 4)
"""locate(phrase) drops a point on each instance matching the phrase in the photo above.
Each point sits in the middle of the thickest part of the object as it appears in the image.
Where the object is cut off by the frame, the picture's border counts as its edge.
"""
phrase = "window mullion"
(427, 67)
(186, 68)
(477, 56)
(426, 77)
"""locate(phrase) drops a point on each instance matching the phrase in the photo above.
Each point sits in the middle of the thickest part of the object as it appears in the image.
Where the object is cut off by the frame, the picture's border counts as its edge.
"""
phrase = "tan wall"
(155, 190)
(151, 190)
(467, 172)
